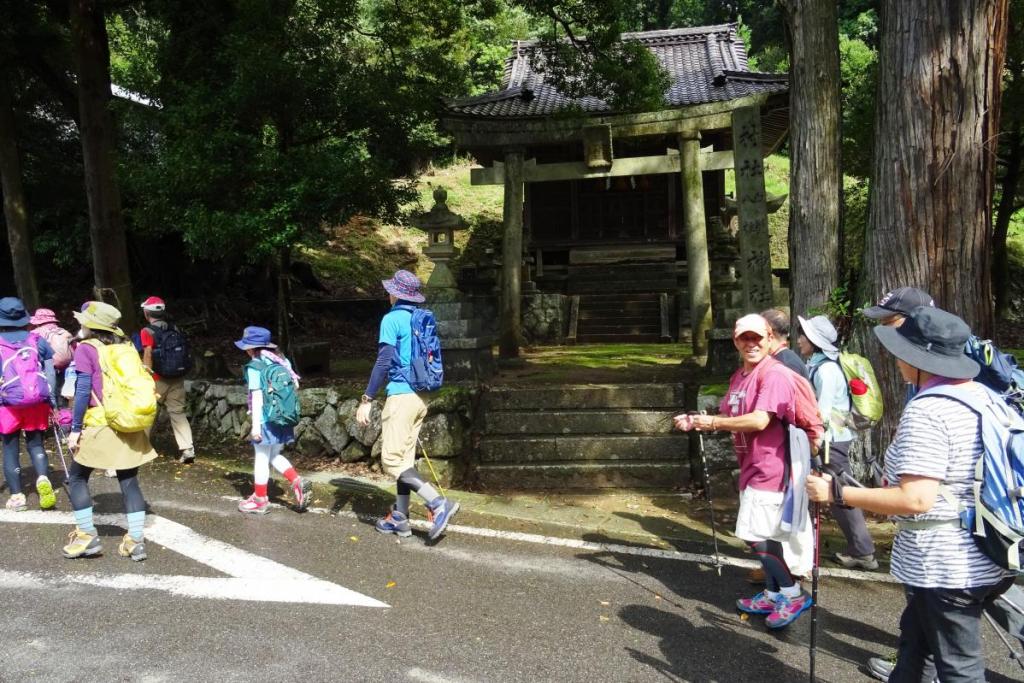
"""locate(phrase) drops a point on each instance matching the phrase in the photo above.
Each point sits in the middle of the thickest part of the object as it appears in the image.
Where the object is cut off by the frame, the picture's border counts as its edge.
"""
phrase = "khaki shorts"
(401, 420)
(760, 516)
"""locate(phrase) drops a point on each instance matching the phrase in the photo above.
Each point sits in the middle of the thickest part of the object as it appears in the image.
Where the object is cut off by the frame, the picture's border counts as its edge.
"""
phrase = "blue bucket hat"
(254, 337)
(12, 312)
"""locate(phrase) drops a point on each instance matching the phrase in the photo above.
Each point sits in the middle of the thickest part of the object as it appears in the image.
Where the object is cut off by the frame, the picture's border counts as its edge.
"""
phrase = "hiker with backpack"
(930, 471)
(404, 371)
(26, 399)
(165, 351)
(45, 324)
(274, 409)
(114, 405)
(757, 409)
(817, 344)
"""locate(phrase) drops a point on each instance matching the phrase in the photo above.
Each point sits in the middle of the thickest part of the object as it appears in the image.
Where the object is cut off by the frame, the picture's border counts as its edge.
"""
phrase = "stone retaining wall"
(328, 427)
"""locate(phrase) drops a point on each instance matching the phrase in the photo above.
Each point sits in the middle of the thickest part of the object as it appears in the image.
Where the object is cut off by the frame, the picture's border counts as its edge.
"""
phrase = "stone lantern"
(465, 347)
(440, 224)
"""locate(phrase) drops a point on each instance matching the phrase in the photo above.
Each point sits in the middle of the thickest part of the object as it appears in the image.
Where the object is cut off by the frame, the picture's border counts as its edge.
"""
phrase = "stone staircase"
(582, 436)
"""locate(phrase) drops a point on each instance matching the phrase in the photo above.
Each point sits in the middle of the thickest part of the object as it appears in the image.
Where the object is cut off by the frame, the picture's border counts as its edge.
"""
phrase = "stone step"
(590, 327)
(613, 421)
(618, 338)
(667, 284)
(590, 475)
(622, 317)
(586, 396)
(549, 449)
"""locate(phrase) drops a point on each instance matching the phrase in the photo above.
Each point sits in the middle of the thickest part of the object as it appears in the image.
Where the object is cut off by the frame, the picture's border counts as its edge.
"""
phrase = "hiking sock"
(772, 595)
(136, 522)
(281, 464)
(260, 490)
(83, 520)
(792, 591)
(428, 493)
(290, 474)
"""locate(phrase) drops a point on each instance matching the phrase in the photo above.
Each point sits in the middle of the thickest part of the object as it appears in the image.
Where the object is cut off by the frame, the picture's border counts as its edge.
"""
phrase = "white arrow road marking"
(250, 577)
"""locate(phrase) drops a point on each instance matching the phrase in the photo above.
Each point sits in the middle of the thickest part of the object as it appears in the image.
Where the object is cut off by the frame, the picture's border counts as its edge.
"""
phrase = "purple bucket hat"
(405, 286)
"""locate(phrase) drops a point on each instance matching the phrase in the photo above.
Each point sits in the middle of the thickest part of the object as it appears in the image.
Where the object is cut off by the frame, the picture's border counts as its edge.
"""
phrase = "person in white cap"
(817, 344)
(760, 395)
(165, 353)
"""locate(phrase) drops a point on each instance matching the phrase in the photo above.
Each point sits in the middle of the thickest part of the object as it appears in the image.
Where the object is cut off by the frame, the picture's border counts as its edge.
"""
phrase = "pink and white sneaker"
(787, 610)
(759, 604)
(255, 505)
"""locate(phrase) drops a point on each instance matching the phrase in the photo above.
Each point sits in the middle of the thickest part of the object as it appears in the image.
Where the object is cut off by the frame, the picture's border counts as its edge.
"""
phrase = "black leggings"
(78, 483)
(776, 571)
(12, 457)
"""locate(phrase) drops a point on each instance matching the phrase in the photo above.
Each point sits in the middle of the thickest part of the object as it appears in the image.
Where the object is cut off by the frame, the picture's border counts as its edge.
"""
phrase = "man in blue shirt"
(403, 413)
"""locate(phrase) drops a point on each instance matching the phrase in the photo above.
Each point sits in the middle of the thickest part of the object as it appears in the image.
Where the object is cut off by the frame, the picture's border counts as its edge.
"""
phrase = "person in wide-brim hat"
(97, 315)
(820, 331)
(12, 312)
(931, 340)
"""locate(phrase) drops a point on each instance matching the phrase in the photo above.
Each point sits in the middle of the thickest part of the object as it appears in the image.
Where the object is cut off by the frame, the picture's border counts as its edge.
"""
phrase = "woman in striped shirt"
(929, 470)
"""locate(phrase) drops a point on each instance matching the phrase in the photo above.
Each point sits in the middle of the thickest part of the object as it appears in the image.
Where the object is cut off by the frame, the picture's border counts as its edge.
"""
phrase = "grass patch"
(714, 389)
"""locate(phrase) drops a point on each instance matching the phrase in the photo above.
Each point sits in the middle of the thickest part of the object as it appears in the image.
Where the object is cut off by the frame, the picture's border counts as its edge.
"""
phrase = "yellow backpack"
(129, 392)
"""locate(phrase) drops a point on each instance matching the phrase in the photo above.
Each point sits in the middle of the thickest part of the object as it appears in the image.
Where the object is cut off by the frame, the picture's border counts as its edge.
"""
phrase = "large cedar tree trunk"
(815, 172)
(96, 127)
(15, 212)
(936, 123)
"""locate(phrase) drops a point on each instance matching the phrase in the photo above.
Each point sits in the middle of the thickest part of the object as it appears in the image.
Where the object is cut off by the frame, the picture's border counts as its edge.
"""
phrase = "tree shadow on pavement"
(698, 589)
(367, 502)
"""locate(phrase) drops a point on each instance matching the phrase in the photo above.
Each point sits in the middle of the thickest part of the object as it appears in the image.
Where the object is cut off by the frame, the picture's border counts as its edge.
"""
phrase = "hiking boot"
(856, 561)
(394, 523)
(81, 544)
(787, 610)
(440, 513)
(136, 550)
(303, 491)
(17, 502)
(759, 604)
(187, 456)
(47, 498)
(880, 667)
(255, 505)
(756, 576)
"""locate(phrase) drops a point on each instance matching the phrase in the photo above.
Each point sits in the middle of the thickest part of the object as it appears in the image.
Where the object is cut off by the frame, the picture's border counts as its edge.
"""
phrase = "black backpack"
(172, 356)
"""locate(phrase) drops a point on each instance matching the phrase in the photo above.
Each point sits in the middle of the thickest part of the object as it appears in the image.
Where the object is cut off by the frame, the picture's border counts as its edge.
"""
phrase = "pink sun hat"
(42, 316)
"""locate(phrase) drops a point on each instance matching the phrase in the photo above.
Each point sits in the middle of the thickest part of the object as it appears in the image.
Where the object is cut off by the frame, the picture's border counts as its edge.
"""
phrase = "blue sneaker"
(787, 610)
(441, 512)
(395, 523)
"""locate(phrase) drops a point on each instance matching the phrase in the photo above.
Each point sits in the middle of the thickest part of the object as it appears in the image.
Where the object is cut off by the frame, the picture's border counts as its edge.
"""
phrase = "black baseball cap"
(901, 301)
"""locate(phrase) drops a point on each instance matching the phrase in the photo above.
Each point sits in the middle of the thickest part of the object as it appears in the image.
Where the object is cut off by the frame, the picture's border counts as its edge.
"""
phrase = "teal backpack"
(280, 397)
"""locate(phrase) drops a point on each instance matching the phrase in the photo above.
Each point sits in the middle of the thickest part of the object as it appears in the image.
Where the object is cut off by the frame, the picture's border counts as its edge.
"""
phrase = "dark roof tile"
(705, 64)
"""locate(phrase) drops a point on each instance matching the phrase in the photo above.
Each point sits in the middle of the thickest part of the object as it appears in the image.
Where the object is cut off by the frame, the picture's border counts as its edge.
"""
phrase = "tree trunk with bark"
(15, 211)
(815, 185)
(1004, 212)
(96, 127)
(936, 123)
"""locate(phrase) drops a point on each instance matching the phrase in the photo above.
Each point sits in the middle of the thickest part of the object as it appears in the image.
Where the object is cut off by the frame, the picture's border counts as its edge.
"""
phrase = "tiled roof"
(705, 64)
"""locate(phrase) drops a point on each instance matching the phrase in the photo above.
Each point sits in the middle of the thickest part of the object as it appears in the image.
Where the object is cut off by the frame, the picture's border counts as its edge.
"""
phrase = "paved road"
(467, 609)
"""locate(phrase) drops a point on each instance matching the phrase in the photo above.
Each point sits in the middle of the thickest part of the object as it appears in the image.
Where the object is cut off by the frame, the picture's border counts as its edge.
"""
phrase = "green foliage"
(857, 64)
(581, 54)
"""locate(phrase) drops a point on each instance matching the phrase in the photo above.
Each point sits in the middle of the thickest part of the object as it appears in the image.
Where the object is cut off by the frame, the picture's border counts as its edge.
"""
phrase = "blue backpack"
(425, 371)
(999, 371)
(996, 521)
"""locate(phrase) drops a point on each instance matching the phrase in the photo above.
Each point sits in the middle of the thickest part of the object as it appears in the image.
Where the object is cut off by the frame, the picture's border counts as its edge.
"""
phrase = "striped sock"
(136, 520)
(83, 520)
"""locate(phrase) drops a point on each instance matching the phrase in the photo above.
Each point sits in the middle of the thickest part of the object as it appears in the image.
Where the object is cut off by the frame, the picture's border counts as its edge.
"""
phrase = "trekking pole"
(820, 463)
(1014, 655)
(707, 492)
(57, 436)
(431, 466)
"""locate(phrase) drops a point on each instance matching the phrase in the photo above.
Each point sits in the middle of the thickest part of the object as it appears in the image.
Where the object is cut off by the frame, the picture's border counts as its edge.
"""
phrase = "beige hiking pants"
(401, 420)
(171, 394)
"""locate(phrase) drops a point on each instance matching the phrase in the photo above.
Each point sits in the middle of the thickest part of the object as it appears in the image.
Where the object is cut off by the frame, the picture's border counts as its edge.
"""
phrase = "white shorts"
(760, 516)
